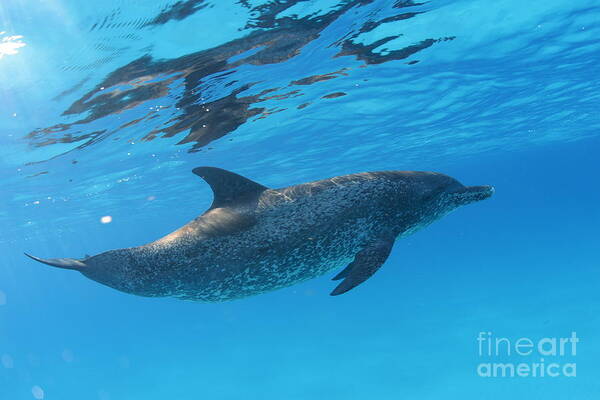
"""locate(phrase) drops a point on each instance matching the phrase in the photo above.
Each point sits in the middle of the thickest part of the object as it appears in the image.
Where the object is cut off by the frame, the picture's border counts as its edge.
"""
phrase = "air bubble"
(7, 361)
(37, 392)
(67, 356)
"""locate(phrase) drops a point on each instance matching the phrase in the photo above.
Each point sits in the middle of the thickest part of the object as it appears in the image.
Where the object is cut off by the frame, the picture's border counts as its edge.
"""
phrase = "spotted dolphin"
(254, 239)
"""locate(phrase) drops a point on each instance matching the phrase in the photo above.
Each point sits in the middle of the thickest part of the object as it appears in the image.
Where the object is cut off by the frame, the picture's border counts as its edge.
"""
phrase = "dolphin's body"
(254, 239)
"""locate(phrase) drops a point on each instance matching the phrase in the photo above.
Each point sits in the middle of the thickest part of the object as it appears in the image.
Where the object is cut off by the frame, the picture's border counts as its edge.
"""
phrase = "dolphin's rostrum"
(254, 239)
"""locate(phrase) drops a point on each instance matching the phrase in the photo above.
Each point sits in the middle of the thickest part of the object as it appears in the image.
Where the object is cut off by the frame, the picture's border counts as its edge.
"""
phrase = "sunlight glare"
(10, 44)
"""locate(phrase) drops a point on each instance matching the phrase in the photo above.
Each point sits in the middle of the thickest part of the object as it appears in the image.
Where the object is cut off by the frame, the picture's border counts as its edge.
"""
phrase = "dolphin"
(254, 239)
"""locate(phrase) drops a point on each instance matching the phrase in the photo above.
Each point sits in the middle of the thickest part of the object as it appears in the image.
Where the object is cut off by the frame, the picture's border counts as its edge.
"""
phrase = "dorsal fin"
(228, 187)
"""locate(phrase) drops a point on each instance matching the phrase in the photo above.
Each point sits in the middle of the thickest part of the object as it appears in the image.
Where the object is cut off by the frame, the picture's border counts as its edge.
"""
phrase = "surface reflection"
(209, 94)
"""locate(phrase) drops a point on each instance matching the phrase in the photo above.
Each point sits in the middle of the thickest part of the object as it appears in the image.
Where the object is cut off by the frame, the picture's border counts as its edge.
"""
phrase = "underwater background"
(105, 108)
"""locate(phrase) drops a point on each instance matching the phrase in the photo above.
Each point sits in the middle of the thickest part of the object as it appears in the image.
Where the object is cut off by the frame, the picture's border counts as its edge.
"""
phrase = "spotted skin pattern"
(266, 239)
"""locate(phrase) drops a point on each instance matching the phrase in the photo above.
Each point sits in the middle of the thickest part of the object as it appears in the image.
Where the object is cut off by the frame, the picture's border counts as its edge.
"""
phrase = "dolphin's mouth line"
(471, 194)
(485, 189)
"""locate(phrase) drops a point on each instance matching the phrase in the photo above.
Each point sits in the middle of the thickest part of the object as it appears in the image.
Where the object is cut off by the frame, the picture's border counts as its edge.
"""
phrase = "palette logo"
(546, 357)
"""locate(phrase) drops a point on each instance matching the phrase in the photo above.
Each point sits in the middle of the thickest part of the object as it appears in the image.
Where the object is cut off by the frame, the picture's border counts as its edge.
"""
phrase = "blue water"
(107, 106)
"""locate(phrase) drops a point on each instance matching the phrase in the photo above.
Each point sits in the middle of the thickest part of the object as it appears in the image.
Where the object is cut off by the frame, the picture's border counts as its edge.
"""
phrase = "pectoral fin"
(343, 273)
(365, 264)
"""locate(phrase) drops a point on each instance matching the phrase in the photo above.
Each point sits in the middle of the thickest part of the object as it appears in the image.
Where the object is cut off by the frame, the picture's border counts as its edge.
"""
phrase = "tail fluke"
(66, 263)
